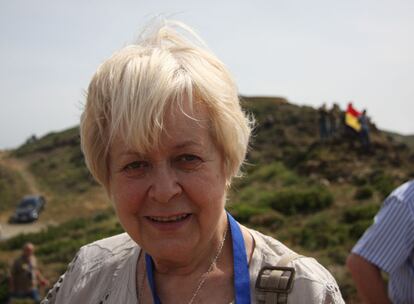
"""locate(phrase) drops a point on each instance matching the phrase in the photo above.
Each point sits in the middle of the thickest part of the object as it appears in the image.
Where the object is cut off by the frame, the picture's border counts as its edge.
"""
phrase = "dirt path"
(20, 166)
(9, 230)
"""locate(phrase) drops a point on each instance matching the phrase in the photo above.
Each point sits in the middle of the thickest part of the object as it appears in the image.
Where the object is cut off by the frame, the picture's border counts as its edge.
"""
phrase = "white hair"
(131, 91)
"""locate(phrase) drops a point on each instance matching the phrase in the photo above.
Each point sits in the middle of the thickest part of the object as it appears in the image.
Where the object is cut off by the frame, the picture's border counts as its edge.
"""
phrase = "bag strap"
(274, 283)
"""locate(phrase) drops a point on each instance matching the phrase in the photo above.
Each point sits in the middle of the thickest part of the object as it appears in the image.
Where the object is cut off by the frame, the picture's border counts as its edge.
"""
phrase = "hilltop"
(317, 197)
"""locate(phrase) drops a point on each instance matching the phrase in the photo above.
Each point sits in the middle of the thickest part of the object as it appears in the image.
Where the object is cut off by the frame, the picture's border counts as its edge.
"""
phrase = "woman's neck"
(196, 262)
(177, 282)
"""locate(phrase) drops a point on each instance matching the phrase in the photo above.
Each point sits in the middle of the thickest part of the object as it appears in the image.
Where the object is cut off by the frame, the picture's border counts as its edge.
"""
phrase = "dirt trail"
(9, 230)
(20, 166)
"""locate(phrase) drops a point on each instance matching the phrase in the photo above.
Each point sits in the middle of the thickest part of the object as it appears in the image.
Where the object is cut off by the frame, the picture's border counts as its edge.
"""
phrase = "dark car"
(29, 209)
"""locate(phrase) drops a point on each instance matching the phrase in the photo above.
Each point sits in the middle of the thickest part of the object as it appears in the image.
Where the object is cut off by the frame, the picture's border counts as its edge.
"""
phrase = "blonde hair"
(131, 91)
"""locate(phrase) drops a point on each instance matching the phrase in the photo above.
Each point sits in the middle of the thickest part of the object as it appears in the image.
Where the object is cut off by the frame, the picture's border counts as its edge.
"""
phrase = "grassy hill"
(12, 187)
(406, 139)
(317, 197)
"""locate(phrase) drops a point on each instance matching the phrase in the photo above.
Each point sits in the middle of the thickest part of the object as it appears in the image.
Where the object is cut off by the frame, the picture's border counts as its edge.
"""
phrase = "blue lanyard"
(240, 267)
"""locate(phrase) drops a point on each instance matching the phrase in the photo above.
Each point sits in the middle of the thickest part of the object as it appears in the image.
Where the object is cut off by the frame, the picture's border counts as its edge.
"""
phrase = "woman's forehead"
(179, 119)
(182, 128)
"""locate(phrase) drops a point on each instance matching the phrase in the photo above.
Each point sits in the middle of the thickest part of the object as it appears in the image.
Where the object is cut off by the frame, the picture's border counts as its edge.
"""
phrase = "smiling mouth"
(168, 219)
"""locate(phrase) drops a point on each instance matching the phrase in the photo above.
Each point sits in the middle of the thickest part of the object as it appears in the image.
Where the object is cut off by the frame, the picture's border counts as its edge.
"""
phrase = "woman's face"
(171, 201)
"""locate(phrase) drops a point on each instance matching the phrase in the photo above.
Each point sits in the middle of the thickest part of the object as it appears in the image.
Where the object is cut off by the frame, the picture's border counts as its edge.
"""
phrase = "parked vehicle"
(29, 209)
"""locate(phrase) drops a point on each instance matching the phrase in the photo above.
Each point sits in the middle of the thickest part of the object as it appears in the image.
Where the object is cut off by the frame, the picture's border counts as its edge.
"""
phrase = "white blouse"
(104, 272)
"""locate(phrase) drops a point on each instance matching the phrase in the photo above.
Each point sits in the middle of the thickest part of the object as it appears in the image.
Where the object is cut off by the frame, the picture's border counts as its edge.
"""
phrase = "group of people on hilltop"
(334, 123)
(330, 122)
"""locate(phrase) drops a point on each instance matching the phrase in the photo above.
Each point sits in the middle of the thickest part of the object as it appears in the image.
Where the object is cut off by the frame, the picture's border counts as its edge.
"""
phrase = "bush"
(44, 236)
(337, 255)
(102, 216)
(4, 290)
(269, 219)
(360, 212)
(249, 194)
(294, 201)
(359, 181)
(321, 232)
(383, 183)
(266, 173)
(358, 229)
(60, 250)
(363, 193)
(243, 212)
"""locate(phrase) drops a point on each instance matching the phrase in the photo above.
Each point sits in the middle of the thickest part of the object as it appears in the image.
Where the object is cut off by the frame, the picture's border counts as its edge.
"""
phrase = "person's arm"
(42, 280)
(11, 284)
(369, 283)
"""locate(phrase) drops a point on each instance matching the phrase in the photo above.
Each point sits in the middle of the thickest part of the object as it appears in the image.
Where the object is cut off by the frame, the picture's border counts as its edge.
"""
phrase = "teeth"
(168, 219)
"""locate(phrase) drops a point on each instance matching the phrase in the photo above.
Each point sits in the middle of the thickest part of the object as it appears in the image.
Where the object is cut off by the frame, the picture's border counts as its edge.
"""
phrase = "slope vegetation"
(317, 197)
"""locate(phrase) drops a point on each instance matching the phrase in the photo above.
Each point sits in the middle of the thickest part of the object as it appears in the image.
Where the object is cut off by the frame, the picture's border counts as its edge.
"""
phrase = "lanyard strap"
(150, 274)
(240, 267)
(240, 264)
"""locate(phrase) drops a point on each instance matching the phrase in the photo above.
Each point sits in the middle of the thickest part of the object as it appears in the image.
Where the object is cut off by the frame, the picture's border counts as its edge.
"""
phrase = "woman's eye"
(136, 166)
(188, 158)
(188, 161)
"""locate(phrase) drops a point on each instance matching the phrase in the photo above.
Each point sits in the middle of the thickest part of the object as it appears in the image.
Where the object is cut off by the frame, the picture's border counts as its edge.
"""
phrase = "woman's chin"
(172, 252)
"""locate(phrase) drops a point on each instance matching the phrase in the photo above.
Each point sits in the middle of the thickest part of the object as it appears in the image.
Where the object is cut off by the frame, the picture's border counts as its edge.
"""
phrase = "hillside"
(12, 185)
(406, 139)
(317, 197)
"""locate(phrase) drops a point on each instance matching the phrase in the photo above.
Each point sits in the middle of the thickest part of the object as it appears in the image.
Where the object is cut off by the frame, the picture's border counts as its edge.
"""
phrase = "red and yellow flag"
(351, 118)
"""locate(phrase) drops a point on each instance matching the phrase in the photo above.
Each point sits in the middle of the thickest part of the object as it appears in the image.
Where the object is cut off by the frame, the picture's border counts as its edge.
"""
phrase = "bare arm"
(369, 282)
(43, 281)
(11, 284)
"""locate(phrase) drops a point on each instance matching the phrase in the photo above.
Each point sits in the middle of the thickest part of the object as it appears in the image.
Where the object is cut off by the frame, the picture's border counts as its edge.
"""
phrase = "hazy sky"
(307, 51)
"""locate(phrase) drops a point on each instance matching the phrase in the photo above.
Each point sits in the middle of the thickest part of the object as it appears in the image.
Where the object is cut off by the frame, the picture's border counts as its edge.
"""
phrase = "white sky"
(307, 51)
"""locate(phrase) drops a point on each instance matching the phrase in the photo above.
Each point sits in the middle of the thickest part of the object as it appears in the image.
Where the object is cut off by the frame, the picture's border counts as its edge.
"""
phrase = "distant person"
(164, 133)
(364, 132)
(25, 276)
(335, 123)
(323, 123)
(388, 245)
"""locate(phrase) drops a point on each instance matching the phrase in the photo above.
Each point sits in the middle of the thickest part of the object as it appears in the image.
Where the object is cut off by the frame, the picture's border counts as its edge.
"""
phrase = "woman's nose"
(165, 185)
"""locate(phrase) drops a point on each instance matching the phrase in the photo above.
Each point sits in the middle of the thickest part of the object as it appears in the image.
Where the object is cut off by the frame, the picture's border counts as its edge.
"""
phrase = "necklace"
(203, 277)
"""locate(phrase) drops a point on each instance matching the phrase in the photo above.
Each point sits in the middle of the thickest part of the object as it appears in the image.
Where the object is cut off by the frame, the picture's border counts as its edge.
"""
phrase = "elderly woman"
(164, 133)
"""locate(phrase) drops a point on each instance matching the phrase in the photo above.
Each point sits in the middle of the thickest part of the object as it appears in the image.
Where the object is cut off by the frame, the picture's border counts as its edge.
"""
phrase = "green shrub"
(45, 236)
(249, 194)
(102, 216)
(3, 282)
(357, 213)
(363, 193)
(269, 219)
(337, 255)
(302, 201)
(4, 290)
(266, 173)
(242, 212)
(60, 250)
(383, 183)
(321, 232)
(357, 229)
(17, 242)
